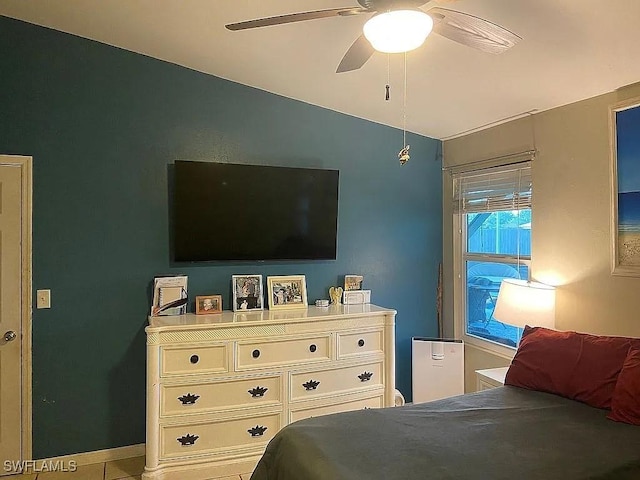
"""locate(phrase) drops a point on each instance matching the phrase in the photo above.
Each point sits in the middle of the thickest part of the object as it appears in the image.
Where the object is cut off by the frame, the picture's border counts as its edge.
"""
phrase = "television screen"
(225, 211)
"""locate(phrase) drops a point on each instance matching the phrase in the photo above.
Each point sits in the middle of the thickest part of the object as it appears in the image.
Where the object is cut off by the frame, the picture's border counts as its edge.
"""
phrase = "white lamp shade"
(523, 303)
(398, 30)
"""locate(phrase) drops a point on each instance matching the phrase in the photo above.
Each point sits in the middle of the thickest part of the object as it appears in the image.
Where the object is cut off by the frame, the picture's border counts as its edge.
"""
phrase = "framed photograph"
(287, 292)
(625, 187)
(247, 292)
(206, 304)
(353, 282)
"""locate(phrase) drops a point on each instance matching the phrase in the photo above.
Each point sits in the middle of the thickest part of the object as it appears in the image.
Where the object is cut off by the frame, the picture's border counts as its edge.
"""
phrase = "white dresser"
(220, 386)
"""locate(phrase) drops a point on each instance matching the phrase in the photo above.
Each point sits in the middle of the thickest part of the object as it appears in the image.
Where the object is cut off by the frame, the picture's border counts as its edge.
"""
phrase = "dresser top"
(262, 317)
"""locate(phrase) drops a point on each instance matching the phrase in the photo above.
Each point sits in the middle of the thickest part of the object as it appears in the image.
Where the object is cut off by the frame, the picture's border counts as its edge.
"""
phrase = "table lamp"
(523, 303)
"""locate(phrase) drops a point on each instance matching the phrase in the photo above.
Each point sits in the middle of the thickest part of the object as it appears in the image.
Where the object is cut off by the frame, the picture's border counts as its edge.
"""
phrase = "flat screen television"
(225, 211)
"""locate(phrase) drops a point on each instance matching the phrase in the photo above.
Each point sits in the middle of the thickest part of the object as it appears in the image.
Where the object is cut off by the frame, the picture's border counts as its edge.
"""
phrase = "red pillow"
(625, 405)
(574, 365)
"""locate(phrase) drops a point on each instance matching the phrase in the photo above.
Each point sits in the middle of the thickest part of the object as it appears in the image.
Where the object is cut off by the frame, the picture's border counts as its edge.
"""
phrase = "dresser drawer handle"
(255, 353)
(257, 431)
(311, 385)
(187, 439)
(189, 399)
(312, 348)
(361, 342)
(258, 391)
(194, 359)
(365, 376)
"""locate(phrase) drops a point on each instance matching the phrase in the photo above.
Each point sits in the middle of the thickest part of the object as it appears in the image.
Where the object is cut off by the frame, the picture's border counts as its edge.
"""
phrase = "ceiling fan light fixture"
(398, 31)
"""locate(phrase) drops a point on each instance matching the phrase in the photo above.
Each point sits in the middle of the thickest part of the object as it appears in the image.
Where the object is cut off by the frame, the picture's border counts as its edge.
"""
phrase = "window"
(492, 209)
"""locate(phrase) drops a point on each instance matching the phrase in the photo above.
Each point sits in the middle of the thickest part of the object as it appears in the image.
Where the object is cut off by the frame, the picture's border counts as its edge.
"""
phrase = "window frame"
(460, 257)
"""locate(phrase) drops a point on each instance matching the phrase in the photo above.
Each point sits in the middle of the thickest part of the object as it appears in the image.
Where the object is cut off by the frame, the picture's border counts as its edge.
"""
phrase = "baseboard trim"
(101, 456)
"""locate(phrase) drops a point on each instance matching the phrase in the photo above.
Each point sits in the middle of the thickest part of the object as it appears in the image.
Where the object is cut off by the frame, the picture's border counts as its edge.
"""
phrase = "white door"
(11, 311)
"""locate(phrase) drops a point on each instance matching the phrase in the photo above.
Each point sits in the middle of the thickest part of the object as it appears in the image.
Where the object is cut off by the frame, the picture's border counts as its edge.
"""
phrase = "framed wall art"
(207, 304)
(247, 292)
(287, 292)
(625, 187)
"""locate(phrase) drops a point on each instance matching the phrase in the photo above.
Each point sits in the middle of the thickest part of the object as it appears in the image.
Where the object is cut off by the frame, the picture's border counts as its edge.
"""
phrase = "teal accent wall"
(103, 126)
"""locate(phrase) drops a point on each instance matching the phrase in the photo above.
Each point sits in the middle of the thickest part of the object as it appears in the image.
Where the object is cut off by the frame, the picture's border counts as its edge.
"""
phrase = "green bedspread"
(504, 433)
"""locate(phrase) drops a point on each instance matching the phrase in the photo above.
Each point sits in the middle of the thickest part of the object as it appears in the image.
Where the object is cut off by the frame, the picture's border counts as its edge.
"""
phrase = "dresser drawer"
(225, 394)
(199, 438)
(309, 384)
(359, 343)
(194, 360)
(282, 352)
(308, 412)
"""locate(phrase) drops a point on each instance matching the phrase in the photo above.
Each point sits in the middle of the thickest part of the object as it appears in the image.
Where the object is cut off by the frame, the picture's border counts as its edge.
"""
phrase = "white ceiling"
(571, 50)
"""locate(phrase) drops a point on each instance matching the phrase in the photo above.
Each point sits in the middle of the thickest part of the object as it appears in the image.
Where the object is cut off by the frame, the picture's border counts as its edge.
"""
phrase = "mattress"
(503, 433)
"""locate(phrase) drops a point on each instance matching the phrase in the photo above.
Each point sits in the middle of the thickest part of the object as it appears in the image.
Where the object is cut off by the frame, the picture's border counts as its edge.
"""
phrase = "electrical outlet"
(43, 298)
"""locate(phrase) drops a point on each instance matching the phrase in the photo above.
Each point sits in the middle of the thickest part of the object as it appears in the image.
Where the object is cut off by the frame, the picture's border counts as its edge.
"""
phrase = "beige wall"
(571, 235)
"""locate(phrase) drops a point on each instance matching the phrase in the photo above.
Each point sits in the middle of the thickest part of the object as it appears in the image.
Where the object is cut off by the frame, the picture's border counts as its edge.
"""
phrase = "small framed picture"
(353, 282)
(169, 295)
(208, 304)
(247, 292)
(287, 292)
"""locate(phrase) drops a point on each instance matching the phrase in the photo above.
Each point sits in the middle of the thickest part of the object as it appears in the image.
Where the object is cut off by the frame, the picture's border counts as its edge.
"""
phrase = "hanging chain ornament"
(387, 86)
(403, 155)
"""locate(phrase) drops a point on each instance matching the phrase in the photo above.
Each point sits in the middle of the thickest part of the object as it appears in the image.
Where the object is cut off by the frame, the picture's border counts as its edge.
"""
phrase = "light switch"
(43, 298)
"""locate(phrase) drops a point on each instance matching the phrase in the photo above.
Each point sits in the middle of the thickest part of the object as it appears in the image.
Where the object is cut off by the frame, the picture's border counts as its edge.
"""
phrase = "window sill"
(490, 347)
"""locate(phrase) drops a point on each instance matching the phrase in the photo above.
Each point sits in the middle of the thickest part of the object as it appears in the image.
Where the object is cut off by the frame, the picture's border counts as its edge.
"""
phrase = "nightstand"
(490, 378)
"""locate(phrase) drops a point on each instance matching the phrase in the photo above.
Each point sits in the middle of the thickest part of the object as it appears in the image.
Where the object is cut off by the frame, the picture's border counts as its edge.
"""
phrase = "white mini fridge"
(437, 368)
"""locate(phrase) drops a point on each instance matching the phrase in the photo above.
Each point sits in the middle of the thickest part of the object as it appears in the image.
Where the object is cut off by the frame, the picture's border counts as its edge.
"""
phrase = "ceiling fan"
(394, 21)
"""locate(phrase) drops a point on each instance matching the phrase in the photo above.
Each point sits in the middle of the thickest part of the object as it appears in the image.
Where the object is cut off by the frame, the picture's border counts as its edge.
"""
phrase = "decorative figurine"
(403, 155)
(335, 294)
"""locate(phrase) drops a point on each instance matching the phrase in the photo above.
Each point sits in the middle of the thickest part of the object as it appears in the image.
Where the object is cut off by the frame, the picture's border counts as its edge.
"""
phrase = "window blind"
(500, 188)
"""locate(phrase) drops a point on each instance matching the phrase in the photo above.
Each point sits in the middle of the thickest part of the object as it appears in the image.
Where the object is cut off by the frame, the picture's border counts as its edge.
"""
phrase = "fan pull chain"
(387, 87)
(404, 104)
(403, 155)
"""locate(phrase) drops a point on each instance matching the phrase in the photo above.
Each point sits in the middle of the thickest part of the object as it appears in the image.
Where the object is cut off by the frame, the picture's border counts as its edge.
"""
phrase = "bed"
(509, 432)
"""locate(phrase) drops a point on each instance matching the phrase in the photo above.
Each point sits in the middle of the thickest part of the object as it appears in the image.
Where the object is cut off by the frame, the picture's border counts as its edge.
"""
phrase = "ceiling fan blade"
(295, 17)
(472, 31)
(357, 55)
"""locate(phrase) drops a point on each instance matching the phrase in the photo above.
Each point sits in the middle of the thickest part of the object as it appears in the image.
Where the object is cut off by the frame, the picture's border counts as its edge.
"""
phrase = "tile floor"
(127, 469)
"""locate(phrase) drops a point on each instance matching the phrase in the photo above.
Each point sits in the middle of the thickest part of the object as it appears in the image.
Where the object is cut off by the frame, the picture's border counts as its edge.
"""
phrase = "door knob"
(10, 335)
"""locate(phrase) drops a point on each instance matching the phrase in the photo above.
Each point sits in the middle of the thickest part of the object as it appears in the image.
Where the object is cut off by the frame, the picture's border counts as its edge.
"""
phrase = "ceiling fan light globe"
(398, 31)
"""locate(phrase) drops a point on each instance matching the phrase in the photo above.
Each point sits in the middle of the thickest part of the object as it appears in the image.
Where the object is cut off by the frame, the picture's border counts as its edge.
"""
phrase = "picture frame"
(247, 292)
(287, 292)
(169, 295)
(624, 126)
(208, 304)
(353, 282)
